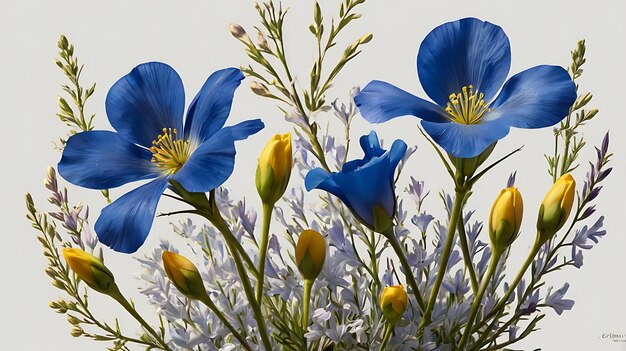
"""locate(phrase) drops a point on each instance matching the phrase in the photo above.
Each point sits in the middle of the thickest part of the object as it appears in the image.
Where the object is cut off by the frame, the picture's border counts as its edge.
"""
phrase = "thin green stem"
(209, 303)
(217, 220)
(267, 219)
(408, 271)
(467, 258)
(513, 285)
(486, 340)
(386, 336)
(308, 285)
(461, 191)
(117, 296)
(478, 299)
(207, 208)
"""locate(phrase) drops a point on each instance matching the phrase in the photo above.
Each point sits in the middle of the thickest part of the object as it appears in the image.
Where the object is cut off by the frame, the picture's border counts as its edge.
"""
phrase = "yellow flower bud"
(90, 270)
(556, 207)
(505, 218)
(184, 275)
(310, 254)
(274, 169)
(393, 302)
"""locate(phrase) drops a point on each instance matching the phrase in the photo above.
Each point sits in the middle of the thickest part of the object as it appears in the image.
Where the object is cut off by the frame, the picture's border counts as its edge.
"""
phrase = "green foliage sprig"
(74, 117)
(76, 304)
(280, 83)
(567, 132)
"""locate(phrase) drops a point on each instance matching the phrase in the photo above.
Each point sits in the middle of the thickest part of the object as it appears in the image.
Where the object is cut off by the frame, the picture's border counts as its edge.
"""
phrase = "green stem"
(454, 218)
(486, 340)
(209, 303)
(495, 257)
(386, 336)
(117, 296)
(221, 225)
(308, 285)
(207, 208)
(469, 265)
(267, 218)
(513, 285)
(408, 271)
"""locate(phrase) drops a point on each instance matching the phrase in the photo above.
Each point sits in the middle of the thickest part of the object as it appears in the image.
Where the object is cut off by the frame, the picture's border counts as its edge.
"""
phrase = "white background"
(112, 37)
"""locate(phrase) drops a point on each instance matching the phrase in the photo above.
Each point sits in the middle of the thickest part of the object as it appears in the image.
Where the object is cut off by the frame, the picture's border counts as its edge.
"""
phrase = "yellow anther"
(169, 152)
(467, 107)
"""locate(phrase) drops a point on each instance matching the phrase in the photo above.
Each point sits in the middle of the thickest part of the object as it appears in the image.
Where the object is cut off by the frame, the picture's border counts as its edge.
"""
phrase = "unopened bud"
(91, 270)
(505, 219)
(556, 207)
(259, 89)
(366, 38)
(310, 254)
(393, 303)
(274, 169)
(238, 32)
(184, 275)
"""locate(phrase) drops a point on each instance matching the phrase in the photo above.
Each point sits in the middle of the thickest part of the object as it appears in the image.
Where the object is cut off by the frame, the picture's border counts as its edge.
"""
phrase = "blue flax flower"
(146, 109)
(367, 185)
(461, 66)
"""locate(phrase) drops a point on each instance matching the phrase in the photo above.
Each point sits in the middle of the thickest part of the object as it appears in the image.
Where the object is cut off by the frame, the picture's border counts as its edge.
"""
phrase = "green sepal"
(104, 281)
(547, 228)
(383, 222)
(269, 188)
(503, 236)
(308, 268)
(392, 316)
(468, 166)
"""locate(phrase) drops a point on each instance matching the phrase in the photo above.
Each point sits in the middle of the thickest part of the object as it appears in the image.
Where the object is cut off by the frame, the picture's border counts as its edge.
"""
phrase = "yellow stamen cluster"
(467, 107)
(169, 152)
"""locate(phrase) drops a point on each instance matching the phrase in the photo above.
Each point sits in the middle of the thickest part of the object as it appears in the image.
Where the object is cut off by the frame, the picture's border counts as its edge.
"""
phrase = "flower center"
(169, 152)
(467, 107)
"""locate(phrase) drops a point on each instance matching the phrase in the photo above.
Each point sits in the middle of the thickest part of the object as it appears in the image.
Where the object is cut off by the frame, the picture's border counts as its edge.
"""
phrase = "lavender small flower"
(557, 300)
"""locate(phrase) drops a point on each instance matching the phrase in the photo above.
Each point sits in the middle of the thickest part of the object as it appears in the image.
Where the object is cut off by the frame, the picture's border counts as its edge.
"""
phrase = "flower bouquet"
(337, 257)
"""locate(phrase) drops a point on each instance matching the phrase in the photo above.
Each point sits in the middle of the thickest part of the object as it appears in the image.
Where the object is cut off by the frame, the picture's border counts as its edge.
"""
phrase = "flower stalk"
(493, 265)
(265, 233)
(130, 308)
(408, 270)
(459, 199)
(306, 303)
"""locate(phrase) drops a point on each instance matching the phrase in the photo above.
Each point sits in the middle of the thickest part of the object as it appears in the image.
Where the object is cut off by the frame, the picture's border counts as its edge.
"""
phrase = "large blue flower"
(146, 108)
(462, 65)
(367, 185)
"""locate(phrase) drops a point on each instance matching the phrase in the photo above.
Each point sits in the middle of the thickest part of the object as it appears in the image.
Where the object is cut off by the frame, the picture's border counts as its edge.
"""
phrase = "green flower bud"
(505, 219)
(184, 275)
(274, 169)
(393, 302)
(556, 207)
(90, 270)
(310, 254)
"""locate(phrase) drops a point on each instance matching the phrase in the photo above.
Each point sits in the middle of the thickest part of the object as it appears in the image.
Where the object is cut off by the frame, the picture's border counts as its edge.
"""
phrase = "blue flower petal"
(371, 148)
(535, 98)
(461, 53)
(379, 102)
(466, 140)
(396, 153)
(210, 108)
(125, 224)
(103, 160)
(151, 97)
(368, 187)
(364, 187)
(213, 161)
